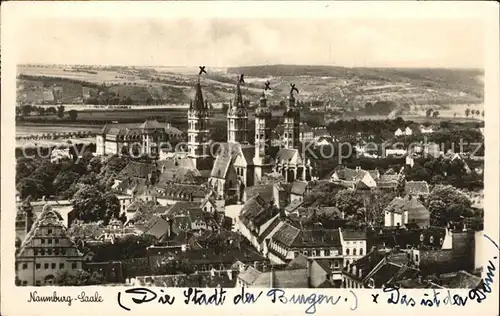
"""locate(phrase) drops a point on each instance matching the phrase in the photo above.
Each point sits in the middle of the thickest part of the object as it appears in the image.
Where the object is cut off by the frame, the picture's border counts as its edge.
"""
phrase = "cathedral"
(239, 164)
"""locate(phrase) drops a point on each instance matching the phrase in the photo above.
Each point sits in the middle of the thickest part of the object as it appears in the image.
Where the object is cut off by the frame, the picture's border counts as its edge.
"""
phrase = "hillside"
(342, 87)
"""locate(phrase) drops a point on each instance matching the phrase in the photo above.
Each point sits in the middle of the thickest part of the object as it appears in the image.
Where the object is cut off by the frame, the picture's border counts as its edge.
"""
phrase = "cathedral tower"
(262, 162)
(198, 133)
(237, 119)
(291, 124)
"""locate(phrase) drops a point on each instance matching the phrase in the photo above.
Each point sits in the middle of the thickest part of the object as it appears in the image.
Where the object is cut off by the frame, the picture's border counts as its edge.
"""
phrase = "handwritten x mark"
(267, 86)
(293, 88)
(375, 296)
(202, 70)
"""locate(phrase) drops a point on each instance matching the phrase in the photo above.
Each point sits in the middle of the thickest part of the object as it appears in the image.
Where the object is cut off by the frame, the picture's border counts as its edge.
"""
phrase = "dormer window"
(421, 237)
(441, 241)
(431, 239)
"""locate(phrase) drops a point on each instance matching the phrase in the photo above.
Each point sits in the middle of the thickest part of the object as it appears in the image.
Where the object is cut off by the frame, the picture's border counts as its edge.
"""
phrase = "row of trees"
(86, 181)
(445, 203)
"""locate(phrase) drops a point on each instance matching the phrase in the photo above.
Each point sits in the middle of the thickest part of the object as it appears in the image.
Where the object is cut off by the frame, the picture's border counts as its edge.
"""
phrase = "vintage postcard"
(249, 157)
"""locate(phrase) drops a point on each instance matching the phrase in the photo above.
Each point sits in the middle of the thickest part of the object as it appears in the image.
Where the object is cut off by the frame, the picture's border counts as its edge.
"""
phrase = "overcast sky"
(225, 42)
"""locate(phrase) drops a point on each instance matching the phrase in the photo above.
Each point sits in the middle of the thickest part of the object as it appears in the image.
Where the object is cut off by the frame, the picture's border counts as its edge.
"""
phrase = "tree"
(350, 204)
(60, 111)
(447, 204)
(80, 278)
(29, 186)
(91, 205)
(428, 112)
(64, 180)
(467, 112)
(73, 115)
(435, 114)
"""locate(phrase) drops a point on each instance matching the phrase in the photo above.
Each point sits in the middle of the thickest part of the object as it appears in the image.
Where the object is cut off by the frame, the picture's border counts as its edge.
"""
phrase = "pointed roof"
(238, 97)
(197, 103)
(51, 218)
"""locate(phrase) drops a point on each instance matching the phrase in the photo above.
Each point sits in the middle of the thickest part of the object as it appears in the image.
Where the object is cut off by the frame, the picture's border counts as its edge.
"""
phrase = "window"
(347, 251)
(42, 241)
(38, 266)
(61, 265)
(354, 252)
(73, 265)
(25, 266)
(49, 241)
(416, 258)
(46, 266)
(49, 231)
(36, 252)
(56, 240)
(360, 251)
(327, 252)
(317, 252)
(53, 265)
(347, 263)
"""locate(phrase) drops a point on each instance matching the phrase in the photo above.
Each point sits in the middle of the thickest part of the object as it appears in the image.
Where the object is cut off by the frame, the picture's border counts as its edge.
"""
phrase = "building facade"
(46, 251)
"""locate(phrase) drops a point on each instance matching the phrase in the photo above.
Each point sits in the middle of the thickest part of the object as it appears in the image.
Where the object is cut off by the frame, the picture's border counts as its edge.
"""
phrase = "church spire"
(198, 103)
(238, 97)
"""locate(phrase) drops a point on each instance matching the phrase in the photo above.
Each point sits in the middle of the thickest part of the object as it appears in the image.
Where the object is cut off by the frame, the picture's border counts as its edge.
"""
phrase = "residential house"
(417, 188)
(408, 210)
(271, 278)
(46, 251)
(298, 190)
(254, 220)
(353, 245)
(403, 132)
(379, 268)
(389, 182)
(355, 178)
(426, 129)
(289, 241)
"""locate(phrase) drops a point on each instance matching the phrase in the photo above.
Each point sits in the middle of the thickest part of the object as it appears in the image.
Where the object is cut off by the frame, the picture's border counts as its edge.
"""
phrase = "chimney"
(358, 168)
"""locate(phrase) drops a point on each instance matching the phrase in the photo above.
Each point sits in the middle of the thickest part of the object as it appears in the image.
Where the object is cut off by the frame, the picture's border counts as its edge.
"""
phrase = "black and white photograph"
(206, 152)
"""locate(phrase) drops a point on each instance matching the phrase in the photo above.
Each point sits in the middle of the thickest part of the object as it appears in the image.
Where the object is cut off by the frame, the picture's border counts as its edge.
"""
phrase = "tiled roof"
(275, 224)
(151, 124)
(287, 155)
(416, 187)
(353, 234)
(175, 163)
(199, 280)
(299, 262)
(182, 191)
(182, 208)
(226, 155)
(249, 275)
(368, 262)
(286, 234)
(209, 256)
(136, 170)
(317, 238)
(256, 212)
(462, 280)
(283, 279)
(385, 273)
(412, 205)
(158, 229)
(265, 191)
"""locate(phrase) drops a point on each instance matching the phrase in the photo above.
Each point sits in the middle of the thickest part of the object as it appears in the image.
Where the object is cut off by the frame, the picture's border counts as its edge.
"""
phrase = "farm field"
(50, 143)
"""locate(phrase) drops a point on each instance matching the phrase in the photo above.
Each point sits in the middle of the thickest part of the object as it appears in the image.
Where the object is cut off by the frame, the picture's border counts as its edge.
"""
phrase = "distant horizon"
(255, 65)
